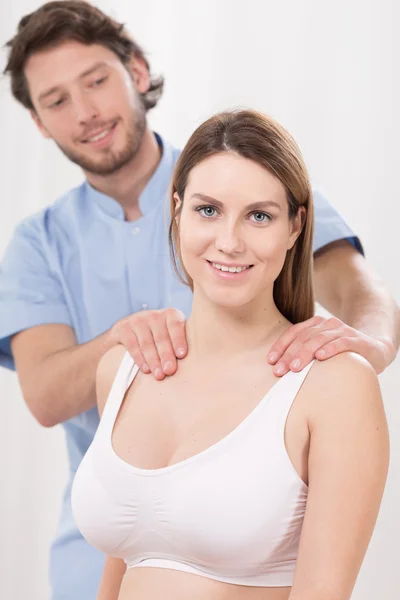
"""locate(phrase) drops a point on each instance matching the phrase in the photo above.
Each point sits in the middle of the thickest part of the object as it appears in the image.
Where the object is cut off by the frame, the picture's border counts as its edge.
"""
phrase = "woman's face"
(234, 229)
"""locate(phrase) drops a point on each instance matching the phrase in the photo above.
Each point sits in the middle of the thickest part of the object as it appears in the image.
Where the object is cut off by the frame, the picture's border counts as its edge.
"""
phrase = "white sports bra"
(232, 512)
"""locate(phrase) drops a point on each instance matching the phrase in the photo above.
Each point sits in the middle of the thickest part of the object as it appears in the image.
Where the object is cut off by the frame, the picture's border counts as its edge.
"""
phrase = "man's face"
(89, 103)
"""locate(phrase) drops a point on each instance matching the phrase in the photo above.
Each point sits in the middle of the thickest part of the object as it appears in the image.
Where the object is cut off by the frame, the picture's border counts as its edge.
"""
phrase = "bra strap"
(126, 373)
(288, 393)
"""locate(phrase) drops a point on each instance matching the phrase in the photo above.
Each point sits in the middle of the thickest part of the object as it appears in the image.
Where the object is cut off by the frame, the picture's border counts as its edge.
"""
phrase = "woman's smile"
(230, 271)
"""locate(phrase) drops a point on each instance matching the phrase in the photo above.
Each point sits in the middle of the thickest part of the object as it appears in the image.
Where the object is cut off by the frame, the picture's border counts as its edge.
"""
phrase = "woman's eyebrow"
(205, 198)
(262, 204)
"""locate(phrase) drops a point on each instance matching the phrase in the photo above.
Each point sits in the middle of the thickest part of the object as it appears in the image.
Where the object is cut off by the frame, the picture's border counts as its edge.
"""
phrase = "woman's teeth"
(237, 269)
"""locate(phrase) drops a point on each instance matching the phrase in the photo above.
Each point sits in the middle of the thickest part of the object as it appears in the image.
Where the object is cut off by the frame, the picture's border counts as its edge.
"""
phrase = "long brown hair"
(64, 20)
(257, 137)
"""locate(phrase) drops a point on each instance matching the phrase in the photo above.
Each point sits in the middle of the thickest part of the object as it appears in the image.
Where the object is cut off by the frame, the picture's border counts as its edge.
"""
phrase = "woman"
(222, 482)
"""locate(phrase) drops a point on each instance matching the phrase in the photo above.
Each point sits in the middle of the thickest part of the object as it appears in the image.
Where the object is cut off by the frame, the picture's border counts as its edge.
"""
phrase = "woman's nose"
(229, 240)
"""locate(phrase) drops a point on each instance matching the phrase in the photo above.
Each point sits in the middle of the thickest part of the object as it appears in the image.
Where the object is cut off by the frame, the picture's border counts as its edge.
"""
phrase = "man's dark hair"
(63, 20)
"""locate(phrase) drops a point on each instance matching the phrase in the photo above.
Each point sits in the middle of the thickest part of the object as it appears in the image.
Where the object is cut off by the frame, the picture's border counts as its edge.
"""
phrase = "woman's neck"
(214, 330)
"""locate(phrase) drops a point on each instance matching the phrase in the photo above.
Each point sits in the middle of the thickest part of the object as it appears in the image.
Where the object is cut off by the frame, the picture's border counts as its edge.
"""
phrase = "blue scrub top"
(78, 262)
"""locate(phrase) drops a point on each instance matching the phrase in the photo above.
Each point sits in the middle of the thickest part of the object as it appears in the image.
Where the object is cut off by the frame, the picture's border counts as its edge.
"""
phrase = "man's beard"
(111, 162)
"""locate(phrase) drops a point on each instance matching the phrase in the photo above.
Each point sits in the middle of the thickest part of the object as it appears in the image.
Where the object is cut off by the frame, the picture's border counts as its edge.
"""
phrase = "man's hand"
(323, 338)
(154, 338)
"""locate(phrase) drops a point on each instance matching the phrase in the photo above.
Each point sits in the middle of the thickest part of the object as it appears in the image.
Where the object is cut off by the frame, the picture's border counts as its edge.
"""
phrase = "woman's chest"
(162, 423)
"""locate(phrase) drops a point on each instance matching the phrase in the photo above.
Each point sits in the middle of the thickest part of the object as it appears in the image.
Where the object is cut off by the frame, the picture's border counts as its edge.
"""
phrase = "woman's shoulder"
(343, 384)
(347, 365)
(107, 370)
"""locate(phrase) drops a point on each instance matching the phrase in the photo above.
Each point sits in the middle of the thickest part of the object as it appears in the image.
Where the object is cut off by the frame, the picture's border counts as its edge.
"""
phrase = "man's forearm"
(373, 312)
(57, 375)
(347, 287)
(64, 383)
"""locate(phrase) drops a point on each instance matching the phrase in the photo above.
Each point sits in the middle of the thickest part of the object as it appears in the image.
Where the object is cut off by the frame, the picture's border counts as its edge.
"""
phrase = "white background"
(329, 72)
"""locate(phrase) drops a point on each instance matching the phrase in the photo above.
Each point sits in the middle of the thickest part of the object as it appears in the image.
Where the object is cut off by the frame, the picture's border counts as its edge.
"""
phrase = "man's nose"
(84, 108)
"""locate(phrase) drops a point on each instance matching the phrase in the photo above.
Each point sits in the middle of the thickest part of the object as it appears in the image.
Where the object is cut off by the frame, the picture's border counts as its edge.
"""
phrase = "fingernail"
(158, 372)
(181, 352)
(279, 369)
(145, 368)
(321, 353)
(168, 366)
(273, 357)
(296, 364)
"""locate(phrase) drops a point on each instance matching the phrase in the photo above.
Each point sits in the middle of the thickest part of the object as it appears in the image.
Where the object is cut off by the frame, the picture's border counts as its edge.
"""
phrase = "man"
(78, 277)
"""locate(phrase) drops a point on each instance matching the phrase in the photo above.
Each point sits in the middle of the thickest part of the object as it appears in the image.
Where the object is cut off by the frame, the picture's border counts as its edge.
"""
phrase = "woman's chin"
(229, 299)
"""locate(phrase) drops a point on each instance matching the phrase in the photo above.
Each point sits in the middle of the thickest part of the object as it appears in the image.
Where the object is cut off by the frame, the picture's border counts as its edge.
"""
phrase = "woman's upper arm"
(348, 462)
(110, 584)
(106, 372)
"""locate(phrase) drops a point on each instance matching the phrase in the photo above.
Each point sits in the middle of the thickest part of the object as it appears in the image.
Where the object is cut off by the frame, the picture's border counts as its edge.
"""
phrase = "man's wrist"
(110, 338)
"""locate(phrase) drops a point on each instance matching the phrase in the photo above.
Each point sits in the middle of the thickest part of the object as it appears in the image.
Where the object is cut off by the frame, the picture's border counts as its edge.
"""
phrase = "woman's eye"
(261, 217)
(207, 211)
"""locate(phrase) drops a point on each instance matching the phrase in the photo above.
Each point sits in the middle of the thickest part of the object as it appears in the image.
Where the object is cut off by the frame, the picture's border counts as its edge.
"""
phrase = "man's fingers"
(304, 353)
(147, 338)
(148, 348)
(163, 354)
(176, 324)
(130, 342)
(287, 338)
(164, 347)
(303, 350)
(339, 345)
(321, 339)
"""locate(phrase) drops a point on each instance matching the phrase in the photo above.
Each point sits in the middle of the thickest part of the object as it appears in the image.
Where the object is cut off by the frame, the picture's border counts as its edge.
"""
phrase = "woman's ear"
(178, 208)
(296, 226)
(178, 201)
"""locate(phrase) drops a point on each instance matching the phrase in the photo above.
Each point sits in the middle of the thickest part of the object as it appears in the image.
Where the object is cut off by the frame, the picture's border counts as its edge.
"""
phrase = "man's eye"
(206, 211)
(57, 103)
(99, 81)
